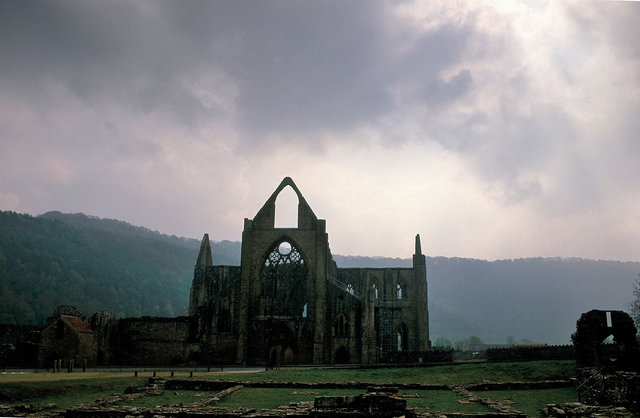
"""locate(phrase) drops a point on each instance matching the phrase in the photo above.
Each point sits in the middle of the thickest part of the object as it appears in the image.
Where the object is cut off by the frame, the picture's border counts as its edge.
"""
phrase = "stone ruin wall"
(157, 341)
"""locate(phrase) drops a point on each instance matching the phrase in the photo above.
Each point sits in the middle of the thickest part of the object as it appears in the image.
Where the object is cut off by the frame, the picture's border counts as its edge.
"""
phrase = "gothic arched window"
(350, 288)
(403, 338)
(284, 282)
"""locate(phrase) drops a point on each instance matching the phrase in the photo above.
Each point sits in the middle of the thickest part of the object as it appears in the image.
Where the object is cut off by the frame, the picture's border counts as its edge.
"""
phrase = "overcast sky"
(497, 130)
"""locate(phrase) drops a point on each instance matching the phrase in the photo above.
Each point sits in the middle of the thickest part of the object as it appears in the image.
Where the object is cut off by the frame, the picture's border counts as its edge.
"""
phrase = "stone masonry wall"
(156, 341)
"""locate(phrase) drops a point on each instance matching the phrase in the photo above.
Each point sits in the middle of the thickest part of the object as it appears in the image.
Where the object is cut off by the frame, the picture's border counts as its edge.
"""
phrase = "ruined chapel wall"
(343, 326)
(399, 301)
(214, 299)
(19, 344)
(156, 341)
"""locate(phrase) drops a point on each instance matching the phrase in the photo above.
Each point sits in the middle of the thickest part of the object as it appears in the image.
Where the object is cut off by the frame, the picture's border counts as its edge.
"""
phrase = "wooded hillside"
(94, 264)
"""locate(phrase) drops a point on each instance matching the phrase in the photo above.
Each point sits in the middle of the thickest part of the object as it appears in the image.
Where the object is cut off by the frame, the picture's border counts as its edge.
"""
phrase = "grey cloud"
(616, 22)
(100, 51)
(302, 66)
(441, 92)
(500, 147)
(297, 66)
(436, 50)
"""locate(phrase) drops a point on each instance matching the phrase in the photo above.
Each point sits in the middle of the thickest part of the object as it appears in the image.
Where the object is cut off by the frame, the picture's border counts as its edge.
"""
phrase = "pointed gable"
(265, 218)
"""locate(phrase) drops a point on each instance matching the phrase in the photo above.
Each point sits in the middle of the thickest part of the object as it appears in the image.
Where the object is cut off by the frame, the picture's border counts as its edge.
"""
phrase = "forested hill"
(97, 264)
(94, 264)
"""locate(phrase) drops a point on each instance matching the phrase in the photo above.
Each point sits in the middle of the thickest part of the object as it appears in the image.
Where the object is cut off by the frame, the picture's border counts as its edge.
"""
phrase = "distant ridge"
(224, 252)
(361, 261)
(81, 220)
(97, 264)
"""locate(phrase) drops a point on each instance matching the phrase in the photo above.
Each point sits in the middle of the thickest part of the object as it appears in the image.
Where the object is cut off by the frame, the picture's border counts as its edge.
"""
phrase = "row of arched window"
(400, 290)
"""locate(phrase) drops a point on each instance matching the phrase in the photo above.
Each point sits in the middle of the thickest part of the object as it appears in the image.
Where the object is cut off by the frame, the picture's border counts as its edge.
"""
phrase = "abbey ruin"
(287, 303)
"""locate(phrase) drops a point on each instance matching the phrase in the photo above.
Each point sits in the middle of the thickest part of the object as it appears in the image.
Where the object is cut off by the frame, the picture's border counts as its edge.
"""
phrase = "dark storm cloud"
(294, 69)
(100, 51)
(297, 66)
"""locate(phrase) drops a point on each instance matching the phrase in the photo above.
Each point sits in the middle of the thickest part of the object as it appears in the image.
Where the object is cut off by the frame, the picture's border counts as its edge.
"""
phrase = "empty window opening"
(609, 325)
(304, 311)
(398, 291)
(375, 291)
(402, 338)
(286, 215)
(350, 288)
(609, 349)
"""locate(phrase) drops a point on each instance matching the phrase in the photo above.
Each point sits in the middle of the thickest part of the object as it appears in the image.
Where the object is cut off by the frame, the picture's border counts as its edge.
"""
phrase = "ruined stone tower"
(288, 303)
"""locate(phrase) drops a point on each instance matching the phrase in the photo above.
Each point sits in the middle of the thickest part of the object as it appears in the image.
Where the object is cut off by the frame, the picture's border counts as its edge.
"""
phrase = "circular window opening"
(284, 248)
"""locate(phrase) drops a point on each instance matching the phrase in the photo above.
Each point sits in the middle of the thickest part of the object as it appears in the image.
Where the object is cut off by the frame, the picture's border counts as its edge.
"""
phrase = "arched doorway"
(288, 356)
(342, 355)
(280, 344)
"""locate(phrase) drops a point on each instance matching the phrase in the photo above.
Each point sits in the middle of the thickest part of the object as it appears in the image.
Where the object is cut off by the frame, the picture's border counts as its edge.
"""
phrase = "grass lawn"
(262, 398)
(67, 389)
(444, 375)
(64, 392)
(443, 401)
(531, 402)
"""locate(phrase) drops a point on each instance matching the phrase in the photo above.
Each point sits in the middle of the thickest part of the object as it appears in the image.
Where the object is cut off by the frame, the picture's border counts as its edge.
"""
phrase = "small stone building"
(288, 302)
(67, 337)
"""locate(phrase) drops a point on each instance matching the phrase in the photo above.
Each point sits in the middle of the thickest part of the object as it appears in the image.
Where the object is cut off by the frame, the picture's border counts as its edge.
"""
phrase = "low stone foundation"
(597, 387)
(214, 385)
(582, 410)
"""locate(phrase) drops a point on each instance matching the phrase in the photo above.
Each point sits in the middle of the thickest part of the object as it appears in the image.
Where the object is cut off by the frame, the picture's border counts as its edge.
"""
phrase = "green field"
(66, 390)
(461, 374)
(531, 401)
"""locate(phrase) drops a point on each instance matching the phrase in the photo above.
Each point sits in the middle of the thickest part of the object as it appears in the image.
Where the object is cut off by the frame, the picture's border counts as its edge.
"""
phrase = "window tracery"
(284, 286)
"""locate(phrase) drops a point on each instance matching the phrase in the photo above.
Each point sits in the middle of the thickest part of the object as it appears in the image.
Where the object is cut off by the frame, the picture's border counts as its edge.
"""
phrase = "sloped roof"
(77, 323)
